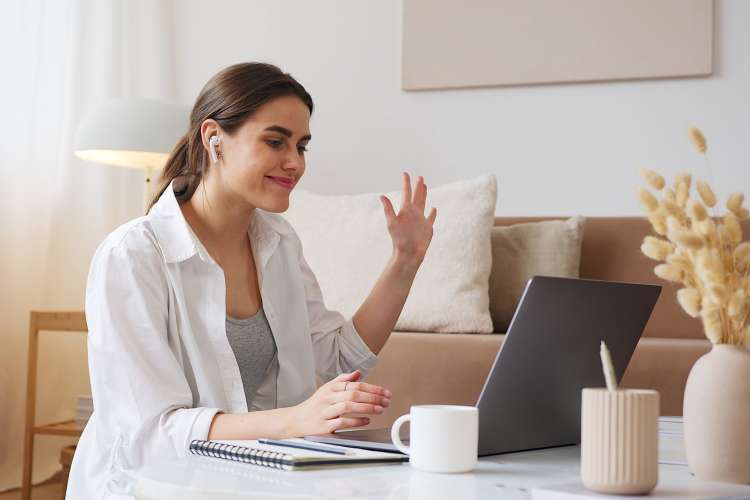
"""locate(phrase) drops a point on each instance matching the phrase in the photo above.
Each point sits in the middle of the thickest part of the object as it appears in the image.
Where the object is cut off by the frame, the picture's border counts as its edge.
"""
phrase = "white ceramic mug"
(442, 438)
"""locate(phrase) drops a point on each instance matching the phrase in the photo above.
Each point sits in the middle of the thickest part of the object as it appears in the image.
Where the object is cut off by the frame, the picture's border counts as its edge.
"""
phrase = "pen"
(305, 446)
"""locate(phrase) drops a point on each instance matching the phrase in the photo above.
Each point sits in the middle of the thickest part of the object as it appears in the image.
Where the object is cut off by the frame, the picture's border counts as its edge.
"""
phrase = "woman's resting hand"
(332, 406)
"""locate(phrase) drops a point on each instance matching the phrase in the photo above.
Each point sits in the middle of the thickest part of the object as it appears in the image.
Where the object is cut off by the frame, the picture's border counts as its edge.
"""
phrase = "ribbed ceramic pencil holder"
(620, 440)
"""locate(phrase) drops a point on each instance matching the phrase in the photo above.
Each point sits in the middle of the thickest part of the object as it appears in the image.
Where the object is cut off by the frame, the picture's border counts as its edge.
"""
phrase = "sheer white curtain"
(60, 59)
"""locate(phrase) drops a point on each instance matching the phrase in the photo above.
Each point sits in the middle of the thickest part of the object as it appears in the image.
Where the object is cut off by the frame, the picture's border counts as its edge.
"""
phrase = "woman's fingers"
(346, 407)
(360, 386)
(347, 377)
(390, 213)
(420, 194)
(419, 198)
(345, 395)
(346, 423)
(432, 216)
(359, 397)
(406, 195)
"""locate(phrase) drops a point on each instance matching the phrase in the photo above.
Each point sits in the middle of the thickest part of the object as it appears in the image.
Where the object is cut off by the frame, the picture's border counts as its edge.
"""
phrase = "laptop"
(532, 396)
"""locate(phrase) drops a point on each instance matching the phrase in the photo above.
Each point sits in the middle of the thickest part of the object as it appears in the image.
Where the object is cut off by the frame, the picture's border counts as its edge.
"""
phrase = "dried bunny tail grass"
(725, 236)
(682, 194)
(709, 266)
(696, 210)
(699, 140)
(658, 222)
(742, 251)
(682, 262)
(673, 209)
(718, 293)
(679, 260)
(738, 305)
(690, 300)
(714, 292)
(727, 260)
(742, 258)
(674, 224)
(712, 325)
(707, 229)
(707, 194)
(656, 248)
(668, 272)
(733, 229)
(683, 177)
(685, 238)
(708, 302)
(709, 281)
(653, 179)
(647, 200)
(734, 202)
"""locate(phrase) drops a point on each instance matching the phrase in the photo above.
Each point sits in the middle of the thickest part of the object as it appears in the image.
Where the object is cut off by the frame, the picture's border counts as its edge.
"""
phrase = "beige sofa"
(450, 368)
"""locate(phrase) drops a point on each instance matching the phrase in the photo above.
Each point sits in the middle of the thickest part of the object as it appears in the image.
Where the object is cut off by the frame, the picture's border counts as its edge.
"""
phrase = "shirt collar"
(178, 241)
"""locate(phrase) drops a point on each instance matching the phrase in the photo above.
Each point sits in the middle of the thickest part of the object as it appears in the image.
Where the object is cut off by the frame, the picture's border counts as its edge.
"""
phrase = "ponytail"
(179, 164)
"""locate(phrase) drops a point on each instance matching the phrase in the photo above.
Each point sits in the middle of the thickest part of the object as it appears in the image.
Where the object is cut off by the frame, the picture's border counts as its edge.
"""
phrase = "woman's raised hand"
(332, 406)
(410, 229)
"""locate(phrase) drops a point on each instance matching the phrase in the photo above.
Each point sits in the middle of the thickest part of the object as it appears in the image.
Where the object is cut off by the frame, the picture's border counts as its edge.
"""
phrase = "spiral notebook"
(286, 457)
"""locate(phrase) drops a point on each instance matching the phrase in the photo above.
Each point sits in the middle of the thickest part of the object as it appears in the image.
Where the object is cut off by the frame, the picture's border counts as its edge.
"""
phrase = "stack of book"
(671, 441)
(84, 409)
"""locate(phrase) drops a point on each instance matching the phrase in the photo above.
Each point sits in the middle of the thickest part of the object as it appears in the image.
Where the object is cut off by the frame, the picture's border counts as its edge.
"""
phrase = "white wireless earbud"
(212, 147)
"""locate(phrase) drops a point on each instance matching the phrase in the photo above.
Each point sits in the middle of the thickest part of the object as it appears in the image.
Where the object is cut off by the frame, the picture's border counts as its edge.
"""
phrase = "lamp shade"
(136, 133)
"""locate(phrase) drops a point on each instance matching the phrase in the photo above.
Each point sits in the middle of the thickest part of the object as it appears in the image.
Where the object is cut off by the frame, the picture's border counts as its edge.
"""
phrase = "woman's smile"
(284, 182)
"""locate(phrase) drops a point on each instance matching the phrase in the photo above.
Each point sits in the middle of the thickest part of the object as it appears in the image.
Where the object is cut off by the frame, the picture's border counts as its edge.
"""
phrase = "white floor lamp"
(135, 133)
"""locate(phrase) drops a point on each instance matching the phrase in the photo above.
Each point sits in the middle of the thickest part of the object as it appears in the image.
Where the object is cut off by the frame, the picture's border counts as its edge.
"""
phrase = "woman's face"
(265, 158)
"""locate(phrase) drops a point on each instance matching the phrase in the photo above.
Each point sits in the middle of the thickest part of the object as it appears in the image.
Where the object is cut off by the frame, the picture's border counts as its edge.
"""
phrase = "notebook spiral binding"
(242, 454)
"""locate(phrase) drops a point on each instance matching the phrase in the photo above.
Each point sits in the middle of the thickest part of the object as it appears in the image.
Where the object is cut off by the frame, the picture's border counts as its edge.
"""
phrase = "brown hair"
(230, 97)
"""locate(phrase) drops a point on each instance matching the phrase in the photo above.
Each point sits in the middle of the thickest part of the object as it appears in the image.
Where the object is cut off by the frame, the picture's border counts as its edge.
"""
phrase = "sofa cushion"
(347, 245)
(520, 251)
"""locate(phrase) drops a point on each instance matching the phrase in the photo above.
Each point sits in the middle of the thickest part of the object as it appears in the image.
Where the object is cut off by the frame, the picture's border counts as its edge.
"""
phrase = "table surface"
(549, 474)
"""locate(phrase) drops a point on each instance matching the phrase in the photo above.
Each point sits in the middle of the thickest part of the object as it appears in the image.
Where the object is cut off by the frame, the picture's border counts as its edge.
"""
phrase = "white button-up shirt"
(160, 363)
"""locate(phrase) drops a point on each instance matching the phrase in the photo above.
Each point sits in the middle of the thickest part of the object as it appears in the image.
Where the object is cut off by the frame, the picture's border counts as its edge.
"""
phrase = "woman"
(205, 321)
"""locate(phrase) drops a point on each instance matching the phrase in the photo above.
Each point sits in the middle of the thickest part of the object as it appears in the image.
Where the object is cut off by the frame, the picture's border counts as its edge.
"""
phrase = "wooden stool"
(66, 458)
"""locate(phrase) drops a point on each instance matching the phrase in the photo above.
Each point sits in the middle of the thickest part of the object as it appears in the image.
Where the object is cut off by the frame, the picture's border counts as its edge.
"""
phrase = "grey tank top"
(255, 349)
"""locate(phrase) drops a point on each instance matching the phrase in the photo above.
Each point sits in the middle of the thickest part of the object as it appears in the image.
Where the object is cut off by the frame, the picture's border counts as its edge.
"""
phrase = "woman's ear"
(209, 129)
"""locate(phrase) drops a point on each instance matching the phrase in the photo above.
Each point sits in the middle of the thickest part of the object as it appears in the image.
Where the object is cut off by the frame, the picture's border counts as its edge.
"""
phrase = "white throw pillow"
(347, 245)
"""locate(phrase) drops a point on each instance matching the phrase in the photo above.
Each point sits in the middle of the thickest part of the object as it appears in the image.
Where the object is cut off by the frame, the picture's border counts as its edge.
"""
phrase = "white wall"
(556, 149)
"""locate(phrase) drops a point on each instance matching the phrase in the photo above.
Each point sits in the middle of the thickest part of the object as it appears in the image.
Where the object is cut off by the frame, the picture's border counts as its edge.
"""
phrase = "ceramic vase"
(716, 414)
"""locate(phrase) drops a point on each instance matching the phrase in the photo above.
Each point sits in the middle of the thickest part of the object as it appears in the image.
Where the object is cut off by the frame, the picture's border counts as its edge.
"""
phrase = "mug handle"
(396, 438)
